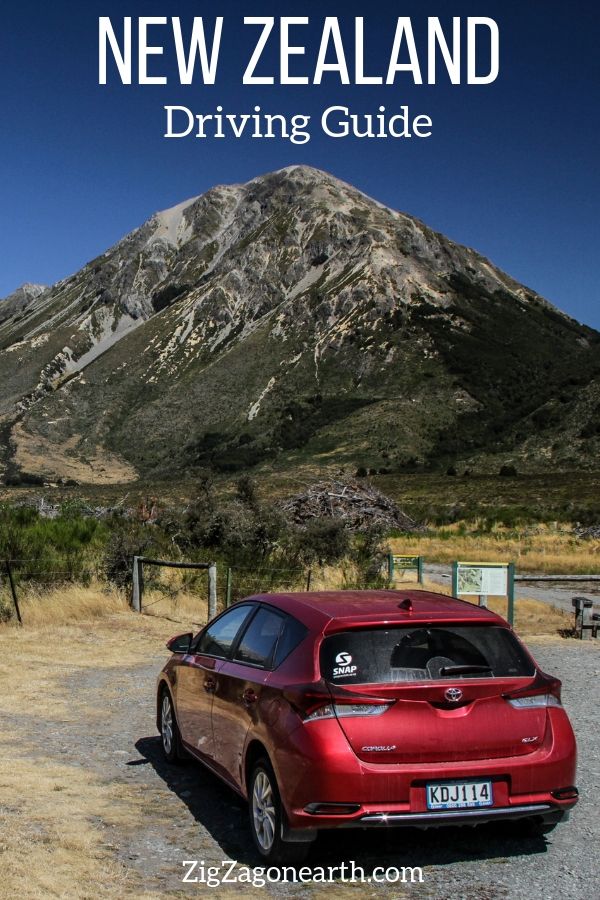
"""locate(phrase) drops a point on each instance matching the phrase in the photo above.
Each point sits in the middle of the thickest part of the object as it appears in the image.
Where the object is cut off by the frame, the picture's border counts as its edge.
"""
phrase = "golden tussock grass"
(180, 606)
(543, 549)
(68, 603)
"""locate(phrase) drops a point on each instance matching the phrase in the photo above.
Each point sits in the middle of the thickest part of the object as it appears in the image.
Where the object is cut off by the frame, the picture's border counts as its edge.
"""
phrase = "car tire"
(169, 731)
(266, 812)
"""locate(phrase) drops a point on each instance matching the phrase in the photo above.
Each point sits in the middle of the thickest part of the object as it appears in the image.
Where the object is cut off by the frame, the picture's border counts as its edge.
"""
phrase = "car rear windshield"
(433, 652)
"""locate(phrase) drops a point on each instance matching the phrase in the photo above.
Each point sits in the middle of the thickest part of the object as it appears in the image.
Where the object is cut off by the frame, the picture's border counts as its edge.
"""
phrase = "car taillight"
(344, 710)
(319, 700)
(545, 691)
(533, 701)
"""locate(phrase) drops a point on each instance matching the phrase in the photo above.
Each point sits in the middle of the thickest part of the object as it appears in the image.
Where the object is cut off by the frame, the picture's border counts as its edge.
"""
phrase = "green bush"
(64, 547)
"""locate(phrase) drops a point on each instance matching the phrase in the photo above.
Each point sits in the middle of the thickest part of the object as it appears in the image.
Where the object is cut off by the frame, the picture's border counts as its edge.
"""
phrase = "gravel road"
(188, 814)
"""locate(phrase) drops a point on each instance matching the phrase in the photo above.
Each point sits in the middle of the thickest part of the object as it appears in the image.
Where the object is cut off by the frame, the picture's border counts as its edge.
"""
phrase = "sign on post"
(405, 564)
(483, 579)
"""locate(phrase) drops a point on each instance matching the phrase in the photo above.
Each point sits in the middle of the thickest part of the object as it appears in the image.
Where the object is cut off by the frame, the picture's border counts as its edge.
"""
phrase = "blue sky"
(511, 168)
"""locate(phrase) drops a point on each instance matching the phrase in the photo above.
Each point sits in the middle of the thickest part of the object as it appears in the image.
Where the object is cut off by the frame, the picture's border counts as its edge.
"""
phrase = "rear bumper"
(545, 811)
(395, 815)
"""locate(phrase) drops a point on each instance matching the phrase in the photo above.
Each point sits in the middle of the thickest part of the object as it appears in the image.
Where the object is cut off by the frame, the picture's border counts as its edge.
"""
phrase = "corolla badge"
(379, 748)
(453, 695)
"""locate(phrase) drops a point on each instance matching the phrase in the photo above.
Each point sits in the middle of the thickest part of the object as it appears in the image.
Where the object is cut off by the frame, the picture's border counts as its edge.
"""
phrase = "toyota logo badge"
(453, 695)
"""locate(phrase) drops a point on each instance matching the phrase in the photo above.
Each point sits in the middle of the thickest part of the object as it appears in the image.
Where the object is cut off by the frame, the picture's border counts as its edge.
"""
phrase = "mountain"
(292, 320)
(20, 299)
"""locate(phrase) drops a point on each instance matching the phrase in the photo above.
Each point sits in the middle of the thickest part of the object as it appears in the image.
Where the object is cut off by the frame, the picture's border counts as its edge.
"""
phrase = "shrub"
(323, 541)
(126, 541)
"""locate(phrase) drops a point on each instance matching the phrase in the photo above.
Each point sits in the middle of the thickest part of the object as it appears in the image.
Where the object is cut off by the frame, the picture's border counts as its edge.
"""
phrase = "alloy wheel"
(166, 720)
(263, 811)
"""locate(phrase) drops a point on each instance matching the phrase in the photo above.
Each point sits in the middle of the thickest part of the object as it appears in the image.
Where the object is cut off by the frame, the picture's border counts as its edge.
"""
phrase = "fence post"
(13, 592)
(390, 566)
(420, 569)
(228, 588)
(308, 579)
(511, 593)
(138, 584)
(212, 590)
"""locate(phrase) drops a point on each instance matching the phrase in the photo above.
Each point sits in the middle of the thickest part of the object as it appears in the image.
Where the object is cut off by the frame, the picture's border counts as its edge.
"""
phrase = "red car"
(356, 709)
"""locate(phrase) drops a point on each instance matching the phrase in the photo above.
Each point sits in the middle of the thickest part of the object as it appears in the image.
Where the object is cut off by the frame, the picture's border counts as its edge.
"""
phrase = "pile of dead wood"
(360, 506)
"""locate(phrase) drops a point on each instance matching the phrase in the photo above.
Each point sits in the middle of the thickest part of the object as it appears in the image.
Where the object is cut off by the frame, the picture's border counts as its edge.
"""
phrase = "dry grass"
(178, 606)
(173, 600)
(532, 617)
(544, 549)
(50, 650)
(68, 603)
(57, 819)
(49, 848)
(36, 454)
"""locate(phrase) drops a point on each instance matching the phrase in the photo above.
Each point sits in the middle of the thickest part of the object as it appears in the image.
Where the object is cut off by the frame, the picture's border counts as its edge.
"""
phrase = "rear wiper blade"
(463, 670)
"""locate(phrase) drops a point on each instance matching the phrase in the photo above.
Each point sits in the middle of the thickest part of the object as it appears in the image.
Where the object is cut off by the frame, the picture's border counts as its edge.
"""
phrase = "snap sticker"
(344, 668)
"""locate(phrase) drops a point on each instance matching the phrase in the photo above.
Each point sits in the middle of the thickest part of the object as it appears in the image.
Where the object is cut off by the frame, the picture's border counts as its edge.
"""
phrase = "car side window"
(218, 638)
(293, 632)
(260, 638)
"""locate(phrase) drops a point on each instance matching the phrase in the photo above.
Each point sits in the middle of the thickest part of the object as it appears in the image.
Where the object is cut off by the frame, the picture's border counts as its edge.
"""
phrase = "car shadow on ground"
(223, 814)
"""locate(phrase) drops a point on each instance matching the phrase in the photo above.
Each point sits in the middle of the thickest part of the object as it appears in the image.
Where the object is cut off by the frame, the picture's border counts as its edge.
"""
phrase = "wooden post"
(13, 592)
(390, 566)
(138, 584)
(212, 590)
(308, 579)
(228, 588)
(420, 576)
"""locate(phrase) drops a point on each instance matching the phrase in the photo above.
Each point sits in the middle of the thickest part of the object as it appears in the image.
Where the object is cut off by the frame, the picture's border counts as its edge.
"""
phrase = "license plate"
(459, 795)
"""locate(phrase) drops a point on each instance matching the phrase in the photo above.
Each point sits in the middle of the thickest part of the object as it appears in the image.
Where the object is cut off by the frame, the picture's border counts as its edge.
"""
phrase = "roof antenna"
(406, 604)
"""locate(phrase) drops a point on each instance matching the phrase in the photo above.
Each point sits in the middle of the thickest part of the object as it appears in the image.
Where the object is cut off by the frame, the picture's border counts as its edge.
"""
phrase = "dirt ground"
(88, 807)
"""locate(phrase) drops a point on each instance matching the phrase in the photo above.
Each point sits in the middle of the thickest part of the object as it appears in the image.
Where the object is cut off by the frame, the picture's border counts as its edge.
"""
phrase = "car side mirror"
(180, 643)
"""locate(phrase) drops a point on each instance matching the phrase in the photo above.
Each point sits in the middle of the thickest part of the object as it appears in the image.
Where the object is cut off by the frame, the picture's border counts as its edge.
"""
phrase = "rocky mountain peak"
(289, 315)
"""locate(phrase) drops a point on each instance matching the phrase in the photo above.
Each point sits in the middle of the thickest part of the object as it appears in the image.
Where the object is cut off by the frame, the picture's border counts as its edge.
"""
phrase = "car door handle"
(210, 685)
(249, 697)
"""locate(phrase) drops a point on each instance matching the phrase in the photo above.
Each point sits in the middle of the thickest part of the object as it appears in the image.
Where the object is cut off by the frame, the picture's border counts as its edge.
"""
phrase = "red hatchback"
(368, 708)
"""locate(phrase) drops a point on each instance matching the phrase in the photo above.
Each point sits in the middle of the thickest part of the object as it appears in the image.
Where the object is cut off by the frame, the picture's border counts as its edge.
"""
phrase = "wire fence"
(242, 581)
(170, 592)
(29, 577)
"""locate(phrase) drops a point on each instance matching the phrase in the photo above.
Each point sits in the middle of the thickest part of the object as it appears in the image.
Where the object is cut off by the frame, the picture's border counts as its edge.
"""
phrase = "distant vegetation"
(240, 524)
(240, 530)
